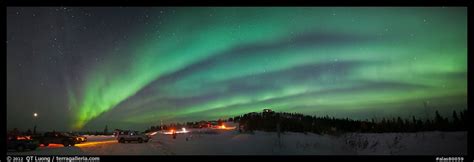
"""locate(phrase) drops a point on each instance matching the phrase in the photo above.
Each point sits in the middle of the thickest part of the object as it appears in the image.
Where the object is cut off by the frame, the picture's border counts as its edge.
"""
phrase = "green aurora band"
(207, 63)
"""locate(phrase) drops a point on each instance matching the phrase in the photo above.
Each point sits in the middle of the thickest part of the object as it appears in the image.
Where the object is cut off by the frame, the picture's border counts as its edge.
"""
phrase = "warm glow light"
(172, 131)
(35, 114)
(88, 144)
(223, 127)
(23, 138)
(54, 145)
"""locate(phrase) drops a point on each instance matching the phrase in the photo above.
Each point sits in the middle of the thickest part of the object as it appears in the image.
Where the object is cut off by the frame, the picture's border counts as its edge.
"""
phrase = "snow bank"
(231, 142)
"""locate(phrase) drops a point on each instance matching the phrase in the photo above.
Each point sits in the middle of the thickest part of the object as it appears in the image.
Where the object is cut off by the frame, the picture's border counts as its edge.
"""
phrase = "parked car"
(21, 143)
(58, 138)
(79, 138)
(128, 136)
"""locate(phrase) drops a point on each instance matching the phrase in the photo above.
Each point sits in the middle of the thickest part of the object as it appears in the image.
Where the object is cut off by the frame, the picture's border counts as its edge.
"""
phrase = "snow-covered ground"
(231, 142)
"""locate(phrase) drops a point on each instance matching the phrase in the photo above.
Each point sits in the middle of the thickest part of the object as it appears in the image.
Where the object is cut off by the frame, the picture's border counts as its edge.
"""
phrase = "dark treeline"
(294, 122)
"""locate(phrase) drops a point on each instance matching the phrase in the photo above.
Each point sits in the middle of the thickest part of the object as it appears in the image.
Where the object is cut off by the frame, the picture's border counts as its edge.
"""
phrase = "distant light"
(184, 129)
(35, 114)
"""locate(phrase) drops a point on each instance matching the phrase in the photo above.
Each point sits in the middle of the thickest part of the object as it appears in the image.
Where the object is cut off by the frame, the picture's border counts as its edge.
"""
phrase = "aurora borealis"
(131, 67)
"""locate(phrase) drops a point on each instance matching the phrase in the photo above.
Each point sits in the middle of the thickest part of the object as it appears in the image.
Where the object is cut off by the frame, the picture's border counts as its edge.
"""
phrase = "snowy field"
(230, 142)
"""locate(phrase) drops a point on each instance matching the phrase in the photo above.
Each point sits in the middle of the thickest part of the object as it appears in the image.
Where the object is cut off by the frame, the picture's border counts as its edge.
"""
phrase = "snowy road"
(223, 142)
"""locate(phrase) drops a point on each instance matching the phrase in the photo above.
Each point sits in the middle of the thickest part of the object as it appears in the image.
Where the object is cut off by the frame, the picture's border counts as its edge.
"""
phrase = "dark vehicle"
(21, 143)
(79, 138)
(128, 136)
(58, 138)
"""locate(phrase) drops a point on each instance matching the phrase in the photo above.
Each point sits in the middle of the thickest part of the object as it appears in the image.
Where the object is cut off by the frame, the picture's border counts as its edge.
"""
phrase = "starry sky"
(81, 68)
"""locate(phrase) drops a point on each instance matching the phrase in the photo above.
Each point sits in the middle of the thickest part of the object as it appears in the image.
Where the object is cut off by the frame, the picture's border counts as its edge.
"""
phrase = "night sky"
(84, 68)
